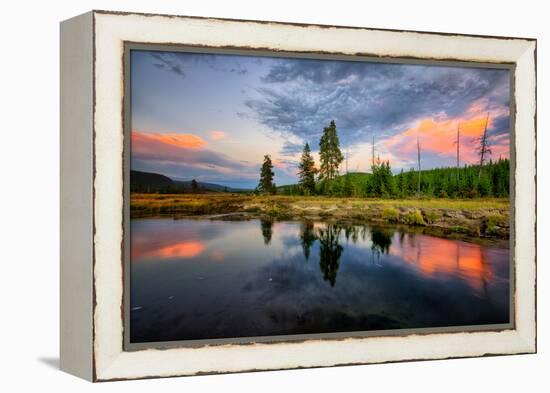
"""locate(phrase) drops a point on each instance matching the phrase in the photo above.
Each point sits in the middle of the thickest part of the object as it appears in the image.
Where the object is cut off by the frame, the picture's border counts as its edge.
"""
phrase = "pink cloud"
(188, 141)
(188, 151)
(217, 135)
(438, 136)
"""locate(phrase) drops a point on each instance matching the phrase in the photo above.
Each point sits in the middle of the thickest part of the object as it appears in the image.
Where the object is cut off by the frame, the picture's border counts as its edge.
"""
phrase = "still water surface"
(205, 279)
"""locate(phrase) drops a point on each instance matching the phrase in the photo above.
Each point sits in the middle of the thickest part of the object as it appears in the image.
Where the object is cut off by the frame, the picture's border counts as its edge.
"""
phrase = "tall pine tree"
(307, 172)
(266, 176)
(330, 154)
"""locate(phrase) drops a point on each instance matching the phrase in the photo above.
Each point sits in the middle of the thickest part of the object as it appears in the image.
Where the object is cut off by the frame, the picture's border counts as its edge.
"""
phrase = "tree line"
(488, 178)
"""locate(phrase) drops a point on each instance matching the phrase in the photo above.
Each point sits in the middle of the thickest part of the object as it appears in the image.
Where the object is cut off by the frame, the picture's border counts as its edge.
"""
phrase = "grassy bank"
(488, 217)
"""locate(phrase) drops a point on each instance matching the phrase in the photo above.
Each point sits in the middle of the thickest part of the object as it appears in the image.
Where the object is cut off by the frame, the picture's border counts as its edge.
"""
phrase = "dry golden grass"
(224, 203)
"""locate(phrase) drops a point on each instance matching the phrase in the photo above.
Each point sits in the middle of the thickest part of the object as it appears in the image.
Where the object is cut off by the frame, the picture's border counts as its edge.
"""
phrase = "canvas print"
(284, 197)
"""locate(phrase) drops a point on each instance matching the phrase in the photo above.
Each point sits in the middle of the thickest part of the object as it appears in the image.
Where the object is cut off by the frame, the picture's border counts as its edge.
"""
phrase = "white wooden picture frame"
(92, 194)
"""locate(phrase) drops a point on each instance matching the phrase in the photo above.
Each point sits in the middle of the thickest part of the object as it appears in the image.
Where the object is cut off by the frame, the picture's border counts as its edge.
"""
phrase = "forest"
(487, 178)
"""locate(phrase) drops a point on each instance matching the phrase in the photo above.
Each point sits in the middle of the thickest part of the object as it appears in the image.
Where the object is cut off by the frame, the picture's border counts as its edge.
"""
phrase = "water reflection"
(307, 237)
(330, 251)
(437, 257)
(267, 230)
(381, 240)
(250, 278)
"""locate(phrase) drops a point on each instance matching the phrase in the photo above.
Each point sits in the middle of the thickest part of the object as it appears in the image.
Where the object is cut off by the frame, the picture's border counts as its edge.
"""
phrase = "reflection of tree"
(330, 252)
(401, 238)
(486, 273)
(381, 240)
(267, 230)
(352, 231)
(307, 237)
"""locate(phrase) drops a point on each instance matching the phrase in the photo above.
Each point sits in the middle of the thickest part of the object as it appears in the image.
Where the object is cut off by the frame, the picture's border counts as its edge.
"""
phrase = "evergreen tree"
(381, 182)
(400, 185)
(347, 188)
(194, 186)
(307, 171)
(330, 153)
(411, 181)
(266, 176)
(442, 182)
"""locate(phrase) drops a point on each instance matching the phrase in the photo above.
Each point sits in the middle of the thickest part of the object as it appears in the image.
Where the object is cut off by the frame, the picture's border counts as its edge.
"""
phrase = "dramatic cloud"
(291, 149)
(299, 98)
(439, 137)
(184, 157)
(177, 62)
(169, 62)
(186, 141)
(274, 106)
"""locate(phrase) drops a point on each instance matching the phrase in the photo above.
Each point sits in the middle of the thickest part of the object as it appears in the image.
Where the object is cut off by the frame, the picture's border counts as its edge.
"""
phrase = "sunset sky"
(213, 117)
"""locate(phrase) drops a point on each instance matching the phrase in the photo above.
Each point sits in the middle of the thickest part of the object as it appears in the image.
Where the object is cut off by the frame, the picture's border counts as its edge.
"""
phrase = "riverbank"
(474, 217)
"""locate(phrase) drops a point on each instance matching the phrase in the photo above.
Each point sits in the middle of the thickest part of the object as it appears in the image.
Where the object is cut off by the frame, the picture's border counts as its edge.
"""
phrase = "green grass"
(431, 216)
(414, 218)
(494, 221)
(389, 214)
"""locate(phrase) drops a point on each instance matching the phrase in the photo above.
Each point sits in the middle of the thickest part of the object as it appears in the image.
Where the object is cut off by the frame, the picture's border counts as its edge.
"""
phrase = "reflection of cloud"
(157, 239)
(183, 249)
(179, 250)
(436, 257)
(217, 256)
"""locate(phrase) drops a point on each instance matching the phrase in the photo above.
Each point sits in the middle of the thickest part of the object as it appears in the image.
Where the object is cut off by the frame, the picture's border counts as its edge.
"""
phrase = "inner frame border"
(129, 46)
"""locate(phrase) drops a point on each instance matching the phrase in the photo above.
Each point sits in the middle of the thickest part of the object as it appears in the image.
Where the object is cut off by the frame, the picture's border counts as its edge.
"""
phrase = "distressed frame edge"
(76, 196)
(304, 24)
(526, 318)
(528, 340)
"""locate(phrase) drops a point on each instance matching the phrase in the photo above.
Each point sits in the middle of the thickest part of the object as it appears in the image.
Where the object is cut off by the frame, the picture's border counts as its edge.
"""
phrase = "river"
(205, 279)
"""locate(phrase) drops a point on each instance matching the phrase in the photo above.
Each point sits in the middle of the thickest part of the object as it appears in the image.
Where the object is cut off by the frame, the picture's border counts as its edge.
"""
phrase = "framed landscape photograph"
(242, 195)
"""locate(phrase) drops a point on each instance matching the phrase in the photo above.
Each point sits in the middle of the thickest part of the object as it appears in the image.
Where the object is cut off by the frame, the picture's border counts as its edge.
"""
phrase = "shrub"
(390, 214)
(431, 216)
(414, 218)
(494, 221)
(460, 229)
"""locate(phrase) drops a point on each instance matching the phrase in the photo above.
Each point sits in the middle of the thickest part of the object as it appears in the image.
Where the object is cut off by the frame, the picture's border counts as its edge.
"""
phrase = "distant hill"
(149, 182)
(209, 186)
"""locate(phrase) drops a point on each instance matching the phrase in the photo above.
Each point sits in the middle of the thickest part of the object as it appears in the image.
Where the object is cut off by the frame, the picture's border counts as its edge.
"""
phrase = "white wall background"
(29, 182)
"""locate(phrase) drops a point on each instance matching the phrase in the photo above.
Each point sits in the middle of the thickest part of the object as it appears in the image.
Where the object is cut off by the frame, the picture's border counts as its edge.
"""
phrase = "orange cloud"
(439, 136)
(188, 141)
(217, 135)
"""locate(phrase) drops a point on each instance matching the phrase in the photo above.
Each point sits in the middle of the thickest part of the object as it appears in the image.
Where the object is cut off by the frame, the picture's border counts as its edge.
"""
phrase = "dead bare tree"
(418, 151)
(483, 148)
(457, 142)
(373, 150)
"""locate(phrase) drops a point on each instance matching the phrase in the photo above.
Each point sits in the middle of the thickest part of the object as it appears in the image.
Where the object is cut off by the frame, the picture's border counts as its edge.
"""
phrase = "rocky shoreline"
(476, 220)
